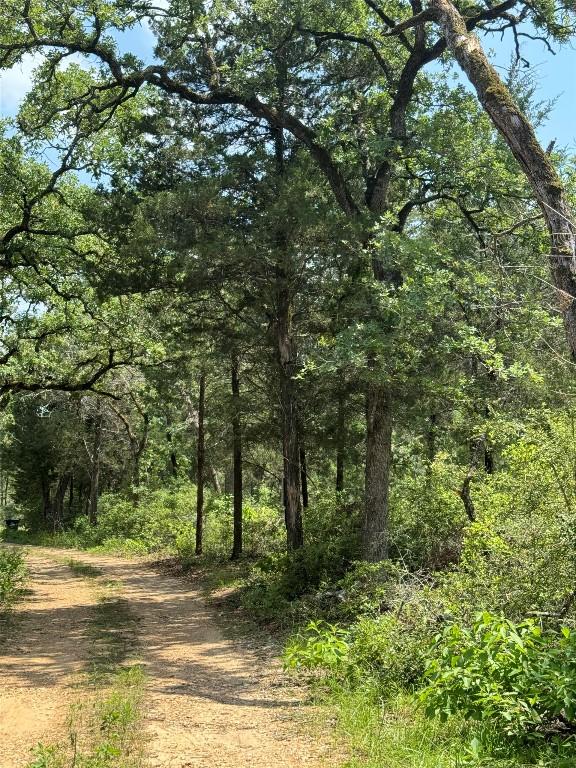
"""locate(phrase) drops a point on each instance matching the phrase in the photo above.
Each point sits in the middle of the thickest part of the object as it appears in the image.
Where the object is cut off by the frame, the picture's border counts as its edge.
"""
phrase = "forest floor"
(209, 701)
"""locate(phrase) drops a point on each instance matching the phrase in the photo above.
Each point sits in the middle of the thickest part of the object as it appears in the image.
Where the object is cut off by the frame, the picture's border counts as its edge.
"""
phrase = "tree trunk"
(173, 465)
(304, 477)
(378, 461)
(200, 456)
(46, 499)
(59, 494)
(520, 137)
(285, 344)
(291, 450)
(71, 496)
(215, 479)
(95, 469)
(340, 443)
(237, 458)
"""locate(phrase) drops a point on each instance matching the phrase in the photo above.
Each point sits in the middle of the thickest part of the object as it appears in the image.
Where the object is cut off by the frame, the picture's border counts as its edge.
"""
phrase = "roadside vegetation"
(287, 305)
(12, 577)
(458, 651)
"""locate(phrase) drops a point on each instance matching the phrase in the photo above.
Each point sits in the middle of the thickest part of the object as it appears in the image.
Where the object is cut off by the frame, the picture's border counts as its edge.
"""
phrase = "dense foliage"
(277, 290)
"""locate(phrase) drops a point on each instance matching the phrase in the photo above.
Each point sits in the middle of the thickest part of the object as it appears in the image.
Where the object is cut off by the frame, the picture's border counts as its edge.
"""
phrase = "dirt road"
(211, 702)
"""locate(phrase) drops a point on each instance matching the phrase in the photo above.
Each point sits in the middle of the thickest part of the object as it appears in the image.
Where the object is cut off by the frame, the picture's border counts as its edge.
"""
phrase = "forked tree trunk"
(200, 460)
(237, 459)
(378, 461)
(534, 161)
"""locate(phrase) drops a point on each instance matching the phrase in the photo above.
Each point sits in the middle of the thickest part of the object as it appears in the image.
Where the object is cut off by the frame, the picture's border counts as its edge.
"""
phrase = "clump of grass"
(85, 570)
(393, 732)
(113, 637)
(104, 733)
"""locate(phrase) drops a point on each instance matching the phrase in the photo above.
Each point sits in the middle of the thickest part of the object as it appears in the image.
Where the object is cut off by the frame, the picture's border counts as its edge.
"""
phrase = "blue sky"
(555, 77)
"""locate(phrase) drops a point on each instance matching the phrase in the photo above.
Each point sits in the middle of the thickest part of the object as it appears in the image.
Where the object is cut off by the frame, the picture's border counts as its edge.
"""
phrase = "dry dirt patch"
(211, 702)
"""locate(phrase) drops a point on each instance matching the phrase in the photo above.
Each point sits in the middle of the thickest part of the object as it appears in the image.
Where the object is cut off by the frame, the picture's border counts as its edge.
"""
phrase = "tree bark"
(173, 466)
(378, 463)
(200, 457)
(236, 459)
(534, 161)
(290, 444)
(285, 348)
(71, 496)
(95, 468)
(304, 477)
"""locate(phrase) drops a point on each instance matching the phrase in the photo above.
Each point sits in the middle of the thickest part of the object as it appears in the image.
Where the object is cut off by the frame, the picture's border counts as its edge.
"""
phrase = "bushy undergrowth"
(502, 682)
(12, 576)
(515, 676)
(394, 640)
(163, 521)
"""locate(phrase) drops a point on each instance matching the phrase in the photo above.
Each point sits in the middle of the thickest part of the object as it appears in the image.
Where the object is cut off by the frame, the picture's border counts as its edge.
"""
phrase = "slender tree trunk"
(291, 449)
(59, 495)
(71, 496)
(95, 469)
(173, 459)
(200, 459)
(286, 350)
(378, 448)
(340, 443)
(46, 499)
(237, 458)
(304, 477)
(534, 161)
(215, 479)
(378, 463)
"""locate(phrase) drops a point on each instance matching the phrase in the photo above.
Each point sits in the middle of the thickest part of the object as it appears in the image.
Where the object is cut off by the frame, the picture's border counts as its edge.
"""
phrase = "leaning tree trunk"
(200, 461)
(534, 161)
(237, 459)
(377, 481)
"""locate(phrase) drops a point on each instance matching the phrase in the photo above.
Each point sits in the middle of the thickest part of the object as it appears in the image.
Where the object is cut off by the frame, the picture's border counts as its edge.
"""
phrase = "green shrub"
(389, 651)
(155, 522)
(12, 576)
(426, 515)
(512, 676)
(519, 556)
(320, 645)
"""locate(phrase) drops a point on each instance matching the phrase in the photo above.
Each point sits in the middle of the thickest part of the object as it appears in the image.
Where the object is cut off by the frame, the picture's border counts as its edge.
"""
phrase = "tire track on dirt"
(211, 702)
(43, 648)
